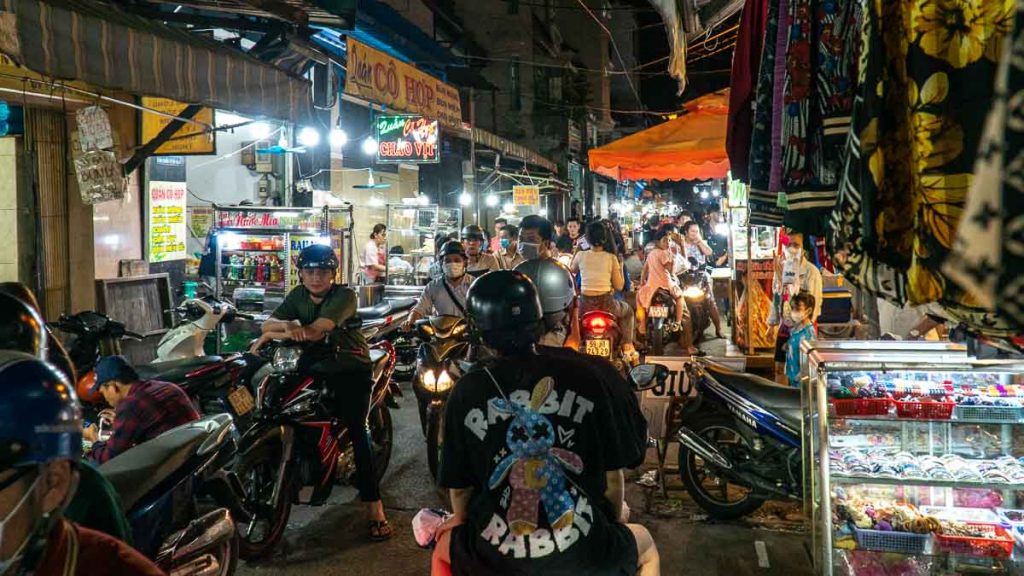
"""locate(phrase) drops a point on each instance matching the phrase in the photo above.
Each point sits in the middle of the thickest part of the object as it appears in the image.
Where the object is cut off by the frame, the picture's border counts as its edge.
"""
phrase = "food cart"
(256, 252)
(413, 228)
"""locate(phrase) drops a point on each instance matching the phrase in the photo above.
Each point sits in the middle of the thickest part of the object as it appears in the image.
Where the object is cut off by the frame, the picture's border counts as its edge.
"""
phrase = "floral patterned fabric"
(764, 210)
(926, 83)
(982, 262)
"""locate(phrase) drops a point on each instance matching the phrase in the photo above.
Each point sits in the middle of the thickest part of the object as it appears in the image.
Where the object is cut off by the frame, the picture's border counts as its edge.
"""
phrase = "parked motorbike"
(295, 451)
(383, 319)
(440, 362)
(197, 318)
(739, 441)
(166, 485)
(216, 384)
(600, 336)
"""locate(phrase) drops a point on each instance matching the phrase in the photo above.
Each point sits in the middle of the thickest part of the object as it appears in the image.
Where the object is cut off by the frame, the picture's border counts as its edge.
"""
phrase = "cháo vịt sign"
(407, 139)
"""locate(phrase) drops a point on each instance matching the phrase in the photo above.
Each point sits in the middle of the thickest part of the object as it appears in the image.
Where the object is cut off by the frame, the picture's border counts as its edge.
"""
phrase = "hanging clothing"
(762, 203)
(924, 91)
(746, 61)
(981, 262)
(821, 74)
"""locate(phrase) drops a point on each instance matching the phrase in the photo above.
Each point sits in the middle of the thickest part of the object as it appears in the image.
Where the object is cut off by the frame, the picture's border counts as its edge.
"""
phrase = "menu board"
(168, 231)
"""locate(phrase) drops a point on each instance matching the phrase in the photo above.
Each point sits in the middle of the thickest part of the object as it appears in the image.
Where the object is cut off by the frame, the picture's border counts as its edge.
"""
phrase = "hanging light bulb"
(309, 136)
(338, 138)
(492, 200)
(282, 141)
(509, 208)
(704, 194)
(369, 181)
(465, 199)
(370, 145)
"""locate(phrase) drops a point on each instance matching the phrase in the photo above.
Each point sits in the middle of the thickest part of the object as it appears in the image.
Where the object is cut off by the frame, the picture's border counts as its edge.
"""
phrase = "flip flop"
(380, 530)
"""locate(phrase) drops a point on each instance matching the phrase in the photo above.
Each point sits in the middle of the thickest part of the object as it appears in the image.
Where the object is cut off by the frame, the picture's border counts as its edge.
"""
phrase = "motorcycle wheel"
(257, 471)
(657, 340)
(713, 492)
(435, 441)
(382, 439)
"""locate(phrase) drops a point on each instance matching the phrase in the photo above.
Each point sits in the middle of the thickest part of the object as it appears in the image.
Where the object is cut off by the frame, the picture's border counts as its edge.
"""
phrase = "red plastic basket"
(861, 406)
(999, 545)
(924, 410)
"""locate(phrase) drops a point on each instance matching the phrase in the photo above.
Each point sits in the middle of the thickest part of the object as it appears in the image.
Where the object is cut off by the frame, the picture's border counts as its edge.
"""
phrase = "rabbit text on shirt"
(570, 405)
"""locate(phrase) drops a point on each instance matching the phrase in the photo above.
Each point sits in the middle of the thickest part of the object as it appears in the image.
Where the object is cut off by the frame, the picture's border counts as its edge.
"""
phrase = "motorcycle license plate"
(600, 347)
(658, 311)
(241, 401)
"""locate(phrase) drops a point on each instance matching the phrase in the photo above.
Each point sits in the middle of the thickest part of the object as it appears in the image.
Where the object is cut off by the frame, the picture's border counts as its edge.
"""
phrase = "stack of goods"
(972, 397)
(891, 464)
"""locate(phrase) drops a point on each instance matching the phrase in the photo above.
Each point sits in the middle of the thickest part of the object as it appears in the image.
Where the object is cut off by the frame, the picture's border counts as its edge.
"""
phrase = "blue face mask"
(504, 243)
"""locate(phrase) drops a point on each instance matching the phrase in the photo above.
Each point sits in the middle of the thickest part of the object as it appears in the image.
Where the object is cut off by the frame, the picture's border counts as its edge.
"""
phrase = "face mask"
(504, 243)
(5, 565)
(794, 253)
(529, 250)
(454, 270)
(797, 317)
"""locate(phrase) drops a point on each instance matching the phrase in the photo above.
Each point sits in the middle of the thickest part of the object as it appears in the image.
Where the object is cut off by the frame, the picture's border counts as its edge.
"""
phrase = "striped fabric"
(100, 44)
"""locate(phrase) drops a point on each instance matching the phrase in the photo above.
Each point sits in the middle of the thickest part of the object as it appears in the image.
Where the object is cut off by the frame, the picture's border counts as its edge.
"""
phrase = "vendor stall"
(413, 229)
(256, 251)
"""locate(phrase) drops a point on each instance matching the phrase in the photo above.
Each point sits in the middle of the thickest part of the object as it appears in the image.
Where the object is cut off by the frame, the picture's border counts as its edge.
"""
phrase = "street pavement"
(332, 539)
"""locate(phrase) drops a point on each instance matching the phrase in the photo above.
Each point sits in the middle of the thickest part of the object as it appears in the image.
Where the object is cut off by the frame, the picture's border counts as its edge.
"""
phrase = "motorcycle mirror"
(647, 376)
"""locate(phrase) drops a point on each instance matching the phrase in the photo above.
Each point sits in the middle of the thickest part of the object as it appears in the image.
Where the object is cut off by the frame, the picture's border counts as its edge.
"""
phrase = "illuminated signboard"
(407, 139)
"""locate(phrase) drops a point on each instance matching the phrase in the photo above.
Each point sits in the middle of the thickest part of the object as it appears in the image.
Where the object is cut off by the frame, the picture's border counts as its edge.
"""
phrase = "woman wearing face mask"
(445, 296)
(794, 273)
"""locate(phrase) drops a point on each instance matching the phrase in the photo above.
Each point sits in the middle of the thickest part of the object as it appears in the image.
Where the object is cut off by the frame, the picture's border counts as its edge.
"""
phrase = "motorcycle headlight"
(428, 380)
(286, 359)
(444, 382)
(693, 292)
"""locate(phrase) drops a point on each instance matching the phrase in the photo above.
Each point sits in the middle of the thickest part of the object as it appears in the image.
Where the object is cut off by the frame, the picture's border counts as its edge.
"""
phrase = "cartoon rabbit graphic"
(535, 465)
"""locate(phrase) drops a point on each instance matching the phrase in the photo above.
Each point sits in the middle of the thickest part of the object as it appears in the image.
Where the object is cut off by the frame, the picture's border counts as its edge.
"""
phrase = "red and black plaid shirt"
(150, 409)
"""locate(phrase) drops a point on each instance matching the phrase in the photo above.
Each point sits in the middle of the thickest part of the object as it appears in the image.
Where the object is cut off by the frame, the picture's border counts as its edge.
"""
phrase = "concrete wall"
(18, 260)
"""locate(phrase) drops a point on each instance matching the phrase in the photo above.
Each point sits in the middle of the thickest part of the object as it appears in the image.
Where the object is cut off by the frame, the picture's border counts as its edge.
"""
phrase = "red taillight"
(596, 324)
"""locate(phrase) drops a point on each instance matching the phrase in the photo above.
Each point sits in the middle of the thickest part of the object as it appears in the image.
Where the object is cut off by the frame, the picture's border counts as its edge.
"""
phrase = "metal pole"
(472, 156)
(750, 279)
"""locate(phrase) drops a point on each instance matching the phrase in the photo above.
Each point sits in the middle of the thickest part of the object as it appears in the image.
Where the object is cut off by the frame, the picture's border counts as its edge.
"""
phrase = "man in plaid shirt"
(142, 410)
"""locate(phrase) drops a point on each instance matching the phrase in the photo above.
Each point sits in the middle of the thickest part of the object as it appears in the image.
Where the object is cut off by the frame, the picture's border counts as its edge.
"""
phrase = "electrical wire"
(615, 46)
(709, 54)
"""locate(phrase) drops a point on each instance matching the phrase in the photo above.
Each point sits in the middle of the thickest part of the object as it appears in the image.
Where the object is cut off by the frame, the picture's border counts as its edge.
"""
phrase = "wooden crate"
(143, 304)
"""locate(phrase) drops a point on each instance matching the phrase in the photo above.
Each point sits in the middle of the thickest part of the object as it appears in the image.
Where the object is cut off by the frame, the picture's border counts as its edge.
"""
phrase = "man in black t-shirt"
(533, 455)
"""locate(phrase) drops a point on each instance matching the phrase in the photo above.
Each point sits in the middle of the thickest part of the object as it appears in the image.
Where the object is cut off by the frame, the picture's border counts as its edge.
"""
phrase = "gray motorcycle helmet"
(554, 283)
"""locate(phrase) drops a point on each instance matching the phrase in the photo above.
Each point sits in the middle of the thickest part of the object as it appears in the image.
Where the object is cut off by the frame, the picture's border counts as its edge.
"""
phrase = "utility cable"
(615, 46)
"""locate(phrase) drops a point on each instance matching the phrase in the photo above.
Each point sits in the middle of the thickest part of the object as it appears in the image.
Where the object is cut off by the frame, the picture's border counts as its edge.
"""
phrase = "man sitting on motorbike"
(657, 275)
(534, 489)
(445, 296)
(143, 410)
(600, 276)
(697, 249)
(40, 447)
(476, 259)
(318, 309)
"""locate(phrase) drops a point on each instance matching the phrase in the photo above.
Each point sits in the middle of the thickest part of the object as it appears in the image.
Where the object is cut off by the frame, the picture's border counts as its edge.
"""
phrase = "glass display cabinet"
(413, 228)
(914, 460)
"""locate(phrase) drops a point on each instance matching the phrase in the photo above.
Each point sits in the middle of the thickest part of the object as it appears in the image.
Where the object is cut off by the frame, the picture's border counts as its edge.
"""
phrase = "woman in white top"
(374, 254)
(600, 277)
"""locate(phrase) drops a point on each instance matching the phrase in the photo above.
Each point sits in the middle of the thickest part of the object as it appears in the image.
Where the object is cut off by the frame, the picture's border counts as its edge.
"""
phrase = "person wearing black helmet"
(444, 296)
(11, 312)
(40, 444)
(477, 259)
(532, 455)
(309, 313)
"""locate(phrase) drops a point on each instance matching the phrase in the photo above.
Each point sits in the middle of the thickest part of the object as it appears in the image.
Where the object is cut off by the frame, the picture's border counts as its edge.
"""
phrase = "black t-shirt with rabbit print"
(534, 438)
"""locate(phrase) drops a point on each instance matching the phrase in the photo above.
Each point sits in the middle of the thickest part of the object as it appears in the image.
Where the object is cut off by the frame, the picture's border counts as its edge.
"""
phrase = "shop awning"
(690, 147)
(104, 46)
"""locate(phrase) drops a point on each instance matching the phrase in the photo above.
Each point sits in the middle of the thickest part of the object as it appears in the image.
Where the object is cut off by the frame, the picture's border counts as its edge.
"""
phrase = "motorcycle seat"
(782, 401)
(142, 468)
(374, 312)
(174, 370)
(379, 360)
(401, 304)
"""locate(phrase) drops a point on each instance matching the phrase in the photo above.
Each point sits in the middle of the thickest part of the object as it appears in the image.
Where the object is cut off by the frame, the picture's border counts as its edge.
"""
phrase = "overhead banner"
(168, 230)
(526, 195)
(377, 77)
(407, 139)
(191, 138)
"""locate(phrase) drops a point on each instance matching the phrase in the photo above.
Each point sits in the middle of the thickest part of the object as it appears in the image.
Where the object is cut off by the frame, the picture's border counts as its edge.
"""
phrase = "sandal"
(380, 530)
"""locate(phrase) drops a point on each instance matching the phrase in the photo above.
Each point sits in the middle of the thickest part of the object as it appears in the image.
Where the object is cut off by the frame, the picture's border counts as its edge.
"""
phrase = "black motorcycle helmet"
(472, 232)
(503, 306)
(452, 248)
(318, 256)
(21, 327)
